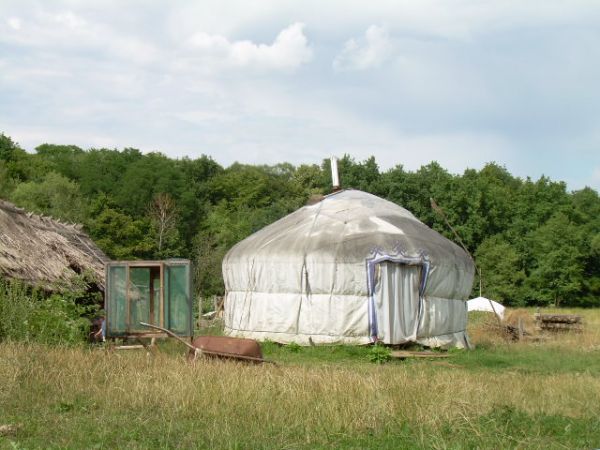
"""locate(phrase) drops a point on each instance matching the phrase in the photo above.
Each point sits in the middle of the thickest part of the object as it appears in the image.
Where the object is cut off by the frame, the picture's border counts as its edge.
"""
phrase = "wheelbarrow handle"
(197, 350)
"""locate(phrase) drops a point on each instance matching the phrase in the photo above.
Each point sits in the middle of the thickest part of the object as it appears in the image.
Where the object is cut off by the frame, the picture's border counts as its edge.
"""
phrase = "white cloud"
(67, 31)
(465, 82)
(70, 20)
(289, 50)
(365, 53)
(14, 23)
(30, 137)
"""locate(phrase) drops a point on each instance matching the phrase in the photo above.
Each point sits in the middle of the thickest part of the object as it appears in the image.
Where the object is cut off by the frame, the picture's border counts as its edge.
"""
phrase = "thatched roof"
(43, 251)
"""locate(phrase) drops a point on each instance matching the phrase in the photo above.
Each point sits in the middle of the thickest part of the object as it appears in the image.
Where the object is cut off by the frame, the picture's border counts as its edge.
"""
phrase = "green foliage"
(63, 159)
(146, 176)
(379, 354)
(535, 242)
(244, 200)
(58, 320)
(501, 267)
(345, 355)
(15, 159)
(7, 184)
(16, 304)
(557, 274)
(55, 195)
(293, 347)
(120, 236)
(27, 315)
(355, 175)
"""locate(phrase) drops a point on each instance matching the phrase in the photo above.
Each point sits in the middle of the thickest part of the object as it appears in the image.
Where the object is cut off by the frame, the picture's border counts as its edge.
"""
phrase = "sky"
(409, 82)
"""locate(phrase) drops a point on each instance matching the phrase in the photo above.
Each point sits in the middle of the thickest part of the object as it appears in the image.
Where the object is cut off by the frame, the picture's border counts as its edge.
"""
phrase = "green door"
(116, 299)
(178, 299)
(139, 299)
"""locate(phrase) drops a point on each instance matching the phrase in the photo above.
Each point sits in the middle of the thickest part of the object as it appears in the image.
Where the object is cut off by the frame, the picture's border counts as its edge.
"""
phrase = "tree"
(117, 234)
(17, 162)
(150, 174)
(353, 175)
(502, 272)
(55, 195)
(557, 273)
(7, 184)
(535, 241)
(163, 217)
(101, 171)
(63, 159)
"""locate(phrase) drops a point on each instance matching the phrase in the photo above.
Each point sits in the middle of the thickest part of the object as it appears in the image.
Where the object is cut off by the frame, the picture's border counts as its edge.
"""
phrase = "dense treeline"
(535, 242)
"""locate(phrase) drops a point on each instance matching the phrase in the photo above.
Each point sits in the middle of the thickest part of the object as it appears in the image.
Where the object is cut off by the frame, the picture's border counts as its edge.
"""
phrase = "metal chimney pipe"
(335, 178)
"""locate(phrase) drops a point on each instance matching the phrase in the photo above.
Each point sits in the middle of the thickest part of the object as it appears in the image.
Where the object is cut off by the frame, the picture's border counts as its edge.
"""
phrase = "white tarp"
(312, 277)
(485, 304)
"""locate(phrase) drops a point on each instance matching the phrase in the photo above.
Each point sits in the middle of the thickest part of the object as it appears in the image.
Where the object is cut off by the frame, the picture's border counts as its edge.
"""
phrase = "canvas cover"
(353, 268)
(485, 304)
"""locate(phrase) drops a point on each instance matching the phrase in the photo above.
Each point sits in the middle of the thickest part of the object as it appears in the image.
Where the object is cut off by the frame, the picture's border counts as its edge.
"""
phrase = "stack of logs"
(558, 322)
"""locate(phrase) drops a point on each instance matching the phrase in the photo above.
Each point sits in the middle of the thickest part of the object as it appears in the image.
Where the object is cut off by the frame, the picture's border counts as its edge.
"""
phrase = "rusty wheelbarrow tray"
(220, 347)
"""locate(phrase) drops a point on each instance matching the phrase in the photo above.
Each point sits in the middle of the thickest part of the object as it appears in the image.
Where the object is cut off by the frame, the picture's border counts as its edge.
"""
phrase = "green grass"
(524, 395)
(335, 354)
(502, 427)
(530, 360)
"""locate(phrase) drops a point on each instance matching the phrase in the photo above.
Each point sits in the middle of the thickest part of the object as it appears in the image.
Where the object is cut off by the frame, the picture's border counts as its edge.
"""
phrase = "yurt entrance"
(396, 295)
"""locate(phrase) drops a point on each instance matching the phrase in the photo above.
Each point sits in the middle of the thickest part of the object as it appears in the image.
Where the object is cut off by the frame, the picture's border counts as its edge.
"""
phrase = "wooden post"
(520, 328)
(127, 298)
(162, 295)
(199, 322)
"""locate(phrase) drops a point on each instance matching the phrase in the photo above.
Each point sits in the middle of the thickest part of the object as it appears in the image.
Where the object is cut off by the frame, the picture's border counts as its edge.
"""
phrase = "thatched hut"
(45, 252)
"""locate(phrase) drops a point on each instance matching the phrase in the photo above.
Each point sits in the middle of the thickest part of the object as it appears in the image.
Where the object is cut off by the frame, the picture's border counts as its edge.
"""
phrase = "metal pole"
(335, 177)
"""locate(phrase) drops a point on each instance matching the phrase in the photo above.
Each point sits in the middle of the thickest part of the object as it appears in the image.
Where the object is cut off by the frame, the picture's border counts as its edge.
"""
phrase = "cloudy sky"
(460, 82)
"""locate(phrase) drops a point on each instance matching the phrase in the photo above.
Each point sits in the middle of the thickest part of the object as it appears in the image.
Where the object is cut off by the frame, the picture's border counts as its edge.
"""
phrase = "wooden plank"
(402, 354)
(146, 334)
(129, 347)
(558, 318)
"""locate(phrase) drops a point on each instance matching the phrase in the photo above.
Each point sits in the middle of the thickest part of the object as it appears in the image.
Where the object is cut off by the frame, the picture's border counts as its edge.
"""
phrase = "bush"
(27, 315)
(294, 347)
(379, 354)
(16, 303)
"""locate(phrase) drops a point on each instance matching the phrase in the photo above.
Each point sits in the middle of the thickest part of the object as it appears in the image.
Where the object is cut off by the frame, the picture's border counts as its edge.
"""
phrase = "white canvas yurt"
(352, 268)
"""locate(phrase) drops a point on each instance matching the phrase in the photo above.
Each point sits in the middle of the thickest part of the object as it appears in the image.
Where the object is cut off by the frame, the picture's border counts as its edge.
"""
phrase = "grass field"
(501, 395)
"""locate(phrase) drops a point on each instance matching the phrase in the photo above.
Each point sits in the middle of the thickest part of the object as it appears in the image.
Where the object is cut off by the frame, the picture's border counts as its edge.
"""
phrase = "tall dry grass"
(486, 329)
(65, 395)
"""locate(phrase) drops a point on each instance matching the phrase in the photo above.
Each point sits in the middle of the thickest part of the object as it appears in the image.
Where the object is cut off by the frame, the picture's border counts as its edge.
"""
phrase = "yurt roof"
(45, 252)
(348, 226)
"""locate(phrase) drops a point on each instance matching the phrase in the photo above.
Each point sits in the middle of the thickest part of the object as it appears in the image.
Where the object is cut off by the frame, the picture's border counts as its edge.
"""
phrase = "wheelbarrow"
(219, 347)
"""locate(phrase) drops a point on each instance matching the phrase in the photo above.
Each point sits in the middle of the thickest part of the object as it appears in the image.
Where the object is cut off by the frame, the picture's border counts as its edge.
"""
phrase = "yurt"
(352, 268)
